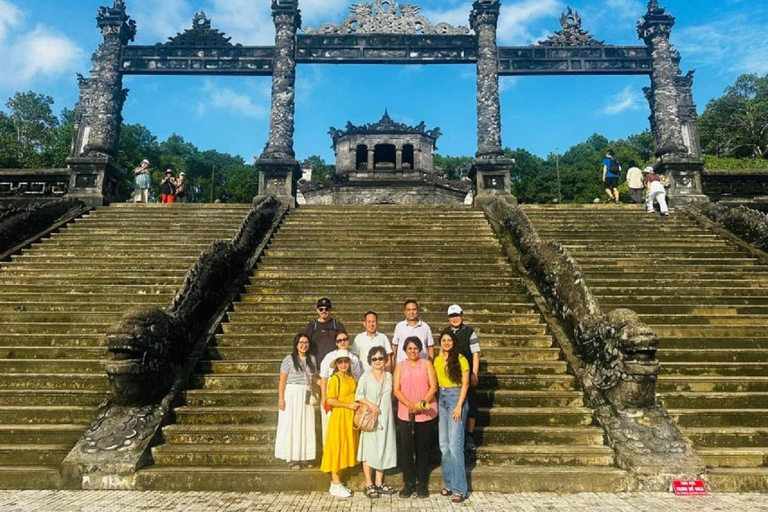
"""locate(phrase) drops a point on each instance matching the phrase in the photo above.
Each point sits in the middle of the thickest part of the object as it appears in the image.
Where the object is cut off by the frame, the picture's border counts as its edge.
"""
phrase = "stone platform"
(109, 501)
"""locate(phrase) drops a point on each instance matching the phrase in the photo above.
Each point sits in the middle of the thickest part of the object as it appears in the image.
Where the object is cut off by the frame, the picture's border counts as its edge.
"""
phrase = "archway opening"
(384, 157)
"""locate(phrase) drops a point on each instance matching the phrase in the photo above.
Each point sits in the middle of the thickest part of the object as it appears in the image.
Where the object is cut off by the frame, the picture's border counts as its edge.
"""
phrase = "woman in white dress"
(295, 439)
(377, 450)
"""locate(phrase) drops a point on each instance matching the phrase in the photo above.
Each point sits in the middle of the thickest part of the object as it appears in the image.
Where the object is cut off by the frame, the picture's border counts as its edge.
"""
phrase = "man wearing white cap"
(469, 347)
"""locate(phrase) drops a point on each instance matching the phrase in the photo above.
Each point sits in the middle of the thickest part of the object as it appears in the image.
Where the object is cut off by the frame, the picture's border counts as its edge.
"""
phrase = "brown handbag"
(365, 420)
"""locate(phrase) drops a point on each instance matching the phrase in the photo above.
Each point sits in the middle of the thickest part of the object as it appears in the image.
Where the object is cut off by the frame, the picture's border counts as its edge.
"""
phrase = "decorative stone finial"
(572, 34)
(200, 35)
(386, 17)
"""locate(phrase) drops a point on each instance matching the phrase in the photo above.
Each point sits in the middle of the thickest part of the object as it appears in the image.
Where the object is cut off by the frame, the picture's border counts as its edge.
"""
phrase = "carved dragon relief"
(386, 17)
(572, 34)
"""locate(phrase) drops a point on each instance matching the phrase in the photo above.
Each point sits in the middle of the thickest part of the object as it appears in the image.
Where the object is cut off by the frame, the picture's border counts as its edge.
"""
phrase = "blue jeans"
(452, 440)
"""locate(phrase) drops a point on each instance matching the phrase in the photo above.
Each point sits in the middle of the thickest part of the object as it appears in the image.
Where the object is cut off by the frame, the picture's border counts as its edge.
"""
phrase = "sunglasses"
(376, 359)
(342, 340)
(323, 308)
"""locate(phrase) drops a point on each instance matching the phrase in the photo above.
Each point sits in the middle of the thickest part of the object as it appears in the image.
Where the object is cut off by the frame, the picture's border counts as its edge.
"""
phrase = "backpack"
(615, 167)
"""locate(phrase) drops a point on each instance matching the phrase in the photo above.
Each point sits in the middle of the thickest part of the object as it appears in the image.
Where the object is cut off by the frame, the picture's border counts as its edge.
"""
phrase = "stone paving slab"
(119, 501)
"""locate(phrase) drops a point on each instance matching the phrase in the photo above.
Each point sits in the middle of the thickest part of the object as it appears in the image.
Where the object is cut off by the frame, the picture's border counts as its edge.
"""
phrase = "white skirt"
(295, 439)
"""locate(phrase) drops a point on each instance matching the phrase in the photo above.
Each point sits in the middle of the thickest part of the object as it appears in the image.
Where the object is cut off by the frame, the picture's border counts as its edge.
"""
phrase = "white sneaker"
(339, 491)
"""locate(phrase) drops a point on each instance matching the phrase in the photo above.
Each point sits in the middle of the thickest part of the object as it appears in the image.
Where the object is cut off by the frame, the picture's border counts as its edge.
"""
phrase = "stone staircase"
(57, 299)
(708, 302)
(534, 432)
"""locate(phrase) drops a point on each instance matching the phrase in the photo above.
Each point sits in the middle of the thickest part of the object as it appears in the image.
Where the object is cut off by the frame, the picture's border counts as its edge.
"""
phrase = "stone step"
(667, 291)
(62, 244)
(728, 437)
(25, 434)
(414, 256)
(559, 455)
(33, 454)
(269, 381)
(689, 417)
(18, 477)
(670, 331)
(734, 457)
(705, 384)
(355, 265)
(743, 369)
(509, 479)
(690, 299)
(58, 366)
(357, 309)
(393, 318)
(497, 416)
(53, 381)
(754, 355)
(342, 282)
(46, 415)
(678, 309)
(77, 306)
(53, 328)
(442, 297)
(15, 300)
(34, 282)
(715, 400)
(52, 340)
(119, 274)
(725, 343)
(48, 397)
(702, 319)
(76, 289)
(738, 479)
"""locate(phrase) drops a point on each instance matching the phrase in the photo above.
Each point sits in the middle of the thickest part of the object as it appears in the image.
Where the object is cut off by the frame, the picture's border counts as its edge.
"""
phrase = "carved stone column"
(399, 159)
(490, 170)
(484, 18)
(680, 161)
(98, 114)
(371, 159)
(278, 166)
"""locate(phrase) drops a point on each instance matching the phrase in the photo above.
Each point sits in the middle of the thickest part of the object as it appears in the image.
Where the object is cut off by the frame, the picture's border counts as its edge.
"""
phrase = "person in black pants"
(415, 386)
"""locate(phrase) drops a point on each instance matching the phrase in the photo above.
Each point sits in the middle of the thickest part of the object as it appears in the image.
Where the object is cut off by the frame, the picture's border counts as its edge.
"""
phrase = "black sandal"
(371, 492)
(457, 498)
(445, 492)
(385, 489)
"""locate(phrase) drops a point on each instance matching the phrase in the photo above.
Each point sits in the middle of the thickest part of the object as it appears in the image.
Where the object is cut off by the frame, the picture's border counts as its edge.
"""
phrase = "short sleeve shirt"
(302, 376)
(404, 330)
(607, 164)
(442, 377)
(364, 343)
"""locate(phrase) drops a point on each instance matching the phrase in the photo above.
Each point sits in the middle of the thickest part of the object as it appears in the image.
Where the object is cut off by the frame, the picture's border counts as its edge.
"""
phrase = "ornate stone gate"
(385, 32)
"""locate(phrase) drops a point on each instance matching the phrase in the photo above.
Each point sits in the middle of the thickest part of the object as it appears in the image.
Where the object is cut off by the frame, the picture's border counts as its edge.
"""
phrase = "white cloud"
(627, 99)
(157, 21)
(736, 43)
(515, 19)
(507, 82)
(241, 103)
(624, 9)
(10, 16)
(32, 55)
(458, 16)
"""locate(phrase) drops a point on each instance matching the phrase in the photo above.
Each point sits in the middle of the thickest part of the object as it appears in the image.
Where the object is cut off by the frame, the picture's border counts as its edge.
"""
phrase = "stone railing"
(22, 220)
(612, 355)
(154, 352)
(749, 225)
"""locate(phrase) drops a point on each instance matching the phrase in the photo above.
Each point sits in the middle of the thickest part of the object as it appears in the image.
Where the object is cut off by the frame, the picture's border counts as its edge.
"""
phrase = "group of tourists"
(172, 189)
(379, 401)
(654, 184)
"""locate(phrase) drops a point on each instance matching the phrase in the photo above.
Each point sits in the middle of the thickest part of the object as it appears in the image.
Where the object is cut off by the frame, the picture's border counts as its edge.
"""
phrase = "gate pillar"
(98, 114)
(278, 162)
(490, 170)
(668, 95)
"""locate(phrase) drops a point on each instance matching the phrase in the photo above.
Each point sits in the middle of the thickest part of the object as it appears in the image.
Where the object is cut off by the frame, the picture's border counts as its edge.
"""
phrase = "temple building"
(385, 162)
(385, 149)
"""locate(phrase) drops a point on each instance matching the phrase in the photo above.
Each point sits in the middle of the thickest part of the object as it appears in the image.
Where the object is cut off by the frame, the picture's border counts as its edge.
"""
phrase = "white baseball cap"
(455, 309)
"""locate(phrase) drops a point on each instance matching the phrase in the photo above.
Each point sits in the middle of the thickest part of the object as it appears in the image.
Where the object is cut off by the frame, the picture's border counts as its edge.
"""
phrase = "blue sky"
(44, 43)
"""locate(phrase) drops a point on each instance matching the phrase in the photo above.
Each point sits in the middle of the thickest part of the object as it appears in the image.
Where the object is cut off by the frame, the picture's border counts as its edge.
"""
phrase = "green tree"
(452, 165)
(34, 129)
(736, 124)
(321, 171)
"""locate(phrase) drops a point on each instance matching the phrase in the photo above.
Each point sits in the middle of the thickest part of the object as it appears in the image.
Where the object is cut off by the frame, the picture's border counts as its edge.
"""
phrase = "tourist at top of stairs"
(611, 175)
(655, 192)
(371, 338)
(295, 437)
(413, 326)
(469, 347)
(141, 182)
(168, 187)
(340, 451)
(635, 182)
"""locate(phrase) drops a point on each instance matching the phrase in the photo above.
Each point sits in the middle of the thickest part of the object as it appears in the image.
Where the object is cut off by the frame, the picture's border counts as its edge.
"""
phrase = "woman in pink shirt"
(415, 386)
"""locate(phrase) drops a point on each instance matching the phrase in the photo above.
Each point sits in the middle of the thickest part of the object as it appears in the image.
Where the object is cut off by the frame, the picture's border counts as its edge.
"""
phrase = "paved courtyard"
(119, 501)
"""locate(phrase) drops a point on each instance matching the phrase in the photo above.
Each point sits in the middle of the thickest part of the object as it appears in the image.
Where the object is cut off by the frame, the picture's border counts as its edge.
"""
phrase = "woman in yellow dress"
(340, 450)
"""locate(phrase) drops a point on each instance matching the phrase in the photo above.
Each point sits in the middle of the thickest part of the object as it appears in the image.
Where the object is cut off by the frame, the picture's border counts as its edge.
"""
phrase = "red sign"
(689, 487)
